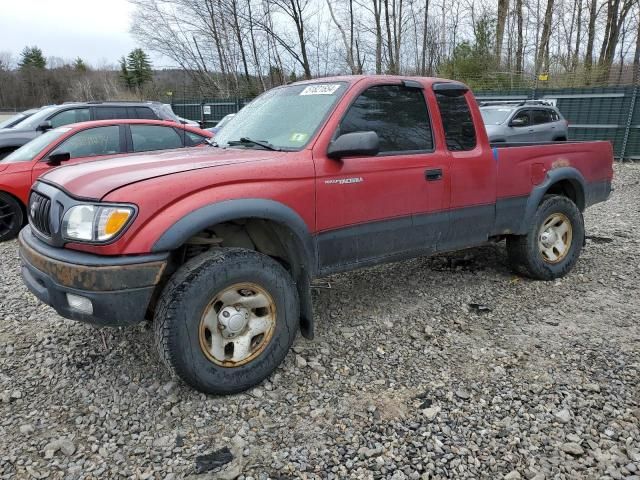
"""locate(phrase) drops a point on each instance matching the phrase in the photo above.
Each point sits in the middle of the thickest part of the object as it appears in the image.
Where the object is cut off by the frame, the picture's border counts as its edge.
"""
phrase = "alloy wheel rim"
(555, 237)
(237, 325)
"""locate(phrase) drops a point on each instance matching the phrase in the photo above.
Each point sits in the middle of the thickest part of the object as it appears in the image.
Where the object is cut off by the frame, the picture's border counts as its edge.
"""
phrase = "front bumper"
(119, 288)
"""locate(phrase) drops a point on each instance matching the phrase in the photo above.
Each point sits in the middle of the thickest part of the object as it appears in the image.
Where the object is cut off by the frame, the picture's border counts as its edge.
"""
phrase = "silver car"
(531, 121)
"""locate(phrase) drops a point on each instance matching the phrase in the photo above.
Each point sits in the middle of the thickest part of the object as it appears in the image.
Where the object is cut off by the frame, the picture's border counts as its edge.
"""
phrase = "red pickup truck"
(219, 245)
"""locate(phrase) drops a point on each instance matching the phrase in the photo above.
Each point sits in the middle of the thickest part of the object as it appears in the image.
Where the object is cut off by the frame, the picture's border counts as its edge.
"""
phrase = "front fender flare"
(300, 239)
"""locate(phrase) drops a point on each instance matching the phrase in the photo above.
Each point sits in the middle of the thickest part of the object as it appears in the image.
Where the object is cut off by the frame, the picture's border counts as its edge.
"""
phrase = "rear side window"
(541, 116)
(459, 130)
(398, 115)
(154, 137)
(73, 115)
(555, 116)
(92, 142)
(143, 112)
(111, 113)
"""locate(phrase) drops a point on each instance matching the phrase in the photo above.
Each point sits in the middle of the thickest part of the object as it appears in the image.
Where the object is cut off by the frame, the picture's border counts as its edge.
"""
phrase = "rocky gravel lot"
(445, 367)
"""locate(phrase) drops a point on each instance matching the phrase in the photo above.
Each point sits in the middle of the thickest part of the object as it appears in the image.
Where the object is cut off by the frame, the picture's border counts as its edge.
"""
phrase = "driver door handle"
(433, 174)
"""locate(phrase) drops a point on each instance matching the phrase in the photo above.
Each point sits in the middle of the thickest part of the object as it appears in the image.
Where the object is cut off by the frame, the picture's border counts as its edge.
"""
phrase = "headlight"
(94, 223)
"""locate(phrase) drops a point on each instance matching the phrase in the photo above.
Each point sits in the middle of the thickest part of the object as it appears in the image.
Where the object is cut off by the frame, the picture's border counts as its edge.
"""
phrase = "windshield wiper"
(250, 141)
(211, 142)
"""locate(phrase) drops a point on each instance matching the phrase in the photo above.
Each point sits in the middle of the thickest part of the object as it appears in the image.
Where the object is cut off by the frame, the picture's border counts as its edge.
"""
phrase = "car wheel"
(226, 320)
(553, 243)
(11, 217)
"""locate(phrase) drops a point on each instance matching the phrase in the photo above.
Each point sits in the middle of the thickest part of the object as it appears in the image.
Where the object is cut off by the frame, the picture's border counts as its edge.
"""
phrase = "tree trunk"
(503, 11)
(520, 44)
(254, 49)
(423, 64)
(576, 53)
(591, 35)
(390, 43)
(542, 60)
(636, 56)
(377, 13)
(236, 27)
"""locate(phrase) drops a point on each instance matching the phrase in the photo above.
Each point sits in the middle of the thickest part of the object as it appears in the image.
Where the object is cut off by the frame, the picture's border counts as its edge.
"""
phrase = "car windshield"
(13, 119)
(495, 116)
(226, 119)
(30, 150)
(30, 123)
(285, 118)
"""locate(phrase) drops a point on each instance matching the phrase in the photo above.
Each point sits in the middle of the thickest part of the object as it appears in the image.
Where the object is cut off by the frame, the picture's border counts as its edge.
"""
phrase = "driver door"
(522, 133)
(365, 204)
(90, 144)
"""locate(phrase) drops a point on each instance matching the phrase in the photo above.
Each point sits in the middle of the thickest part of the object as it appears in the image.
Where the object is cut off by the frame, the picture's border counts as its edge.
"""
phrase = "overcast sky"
(95, 30)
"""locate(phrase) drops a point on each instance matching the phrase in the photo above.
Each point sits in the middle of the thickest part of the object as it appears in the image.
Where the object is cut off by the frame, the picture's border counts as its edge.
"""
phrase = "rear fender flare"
(300, 239)
(553, 176)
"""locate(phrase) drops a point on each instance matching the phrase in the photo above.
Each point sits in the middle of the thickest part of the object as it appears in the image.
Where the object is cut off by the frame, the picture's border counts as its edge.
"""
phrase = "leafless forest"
(219, 48)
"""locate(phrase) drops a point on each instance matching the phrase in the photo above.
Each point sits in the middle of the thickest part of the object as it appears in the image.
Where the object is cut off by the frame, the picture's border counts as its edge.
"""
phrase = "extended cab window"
(73, 115)
(397, 114)
(459, 130)
(154, 137)
(92, 142)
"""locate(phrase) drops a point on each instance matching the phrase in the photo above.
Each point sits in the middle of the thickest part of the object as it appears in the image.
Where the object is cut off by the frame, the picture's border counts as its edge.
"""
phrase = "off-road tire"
(11, 217)
(186, 296)
(523, 251)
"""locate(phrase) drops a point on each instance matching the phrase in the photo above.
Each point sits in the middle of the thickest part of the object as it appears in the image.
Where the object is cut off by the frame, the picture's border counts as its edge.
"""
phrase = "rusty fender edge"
(120, 288)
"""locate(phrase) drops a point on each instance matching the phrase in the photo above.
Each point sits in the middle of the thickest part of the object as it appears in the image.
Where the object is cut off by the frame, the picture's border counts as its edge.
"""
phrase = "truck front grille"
(39, 209)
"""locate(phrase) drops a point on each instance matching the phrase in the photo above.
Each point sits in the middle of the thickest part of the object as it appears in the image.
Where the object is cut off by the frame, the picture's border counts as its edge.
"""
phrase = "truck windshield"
(30, 150)
(285, 118)
(495, 116)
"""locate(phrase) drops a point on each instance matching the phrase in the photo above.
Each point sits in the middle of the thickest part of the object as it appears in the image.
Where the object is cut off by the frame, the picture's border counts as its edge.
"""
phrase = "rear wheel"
(553, 243)
(11, 217)
(226, 320)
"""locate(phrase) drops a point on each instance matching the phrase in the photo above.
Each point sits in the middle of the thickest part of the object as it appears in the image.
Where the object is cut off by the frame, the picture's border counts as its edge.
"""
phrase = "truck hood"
(95, 179)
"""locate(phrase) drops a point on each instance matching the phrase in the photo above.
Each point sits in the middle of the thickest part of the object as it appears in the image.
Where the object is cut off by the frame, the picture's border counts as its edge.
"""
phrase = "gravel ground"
(405, 380)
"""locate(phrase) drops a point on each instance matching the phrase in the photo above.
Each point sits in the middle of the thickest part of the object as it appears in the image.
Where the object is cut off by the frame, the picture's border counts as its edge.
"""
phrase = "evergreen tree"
(32, 57)
(125, 76)
(79, 65)
(138, 68)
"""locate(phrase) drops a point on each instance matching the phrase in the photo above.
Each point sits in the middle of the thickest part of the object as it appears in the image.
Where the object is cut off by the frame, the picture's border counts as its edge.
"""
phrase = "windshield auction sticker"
(321, 89)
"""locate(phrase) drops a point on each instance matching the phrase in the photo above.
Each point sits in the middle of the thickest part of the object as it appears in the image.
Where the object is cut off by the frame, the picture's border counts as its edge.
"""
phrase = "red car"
(219, 245)
(77, 143)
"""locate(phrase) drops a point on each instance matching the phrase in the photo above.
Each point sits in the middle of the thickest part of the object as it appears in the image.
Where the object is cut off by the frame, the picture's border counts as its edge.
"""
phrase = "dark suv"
(58, 115)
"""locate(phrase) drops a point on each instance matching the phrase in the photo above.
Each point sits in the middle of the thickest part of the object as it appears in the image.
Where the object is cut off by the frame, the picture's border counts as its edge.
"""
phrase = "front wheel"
(553, 243)
(11, 217)
(226, 320)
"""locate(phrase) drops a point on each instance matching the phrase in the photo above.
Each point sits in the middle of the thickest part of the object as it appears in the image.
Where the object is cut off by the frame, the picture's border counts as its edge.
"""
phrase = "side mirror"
(366, 144)
(56, 158)
(518, 122)
(44, 126)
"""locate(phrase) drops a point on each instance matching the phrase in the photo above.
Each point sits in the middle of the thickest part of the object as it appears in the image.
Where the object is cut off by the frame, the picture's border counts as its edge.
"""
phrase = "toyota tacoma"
(219, 246)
